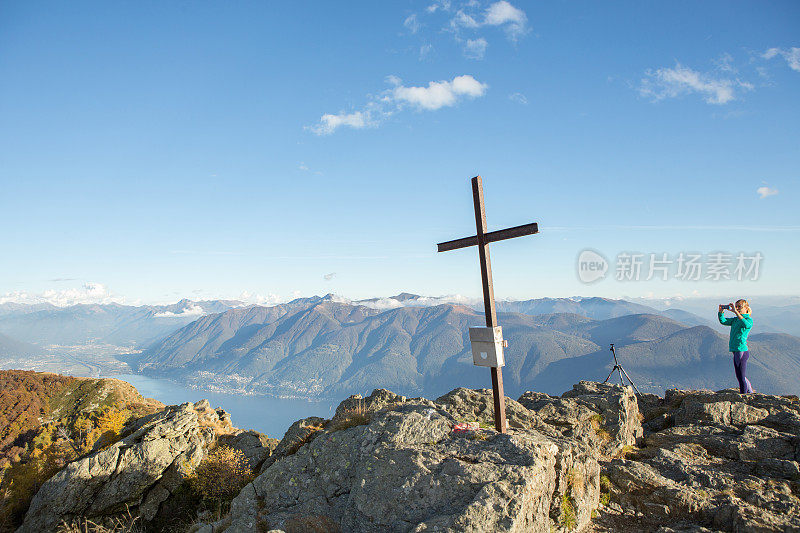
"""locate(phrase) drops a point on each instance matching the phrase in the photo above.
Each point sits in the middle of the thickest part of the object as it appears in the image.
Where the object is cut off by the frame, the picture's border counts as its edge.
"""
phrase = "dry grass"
(626, 451)
(597, 421)
(127, 523)
(575, 481)
(357, 416)
(311, 432)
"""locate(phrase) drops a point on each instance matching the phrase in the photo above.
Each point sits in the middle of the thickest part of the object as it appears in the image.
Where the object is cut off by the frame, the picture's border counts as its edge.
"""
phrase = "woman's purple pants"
(740, 366)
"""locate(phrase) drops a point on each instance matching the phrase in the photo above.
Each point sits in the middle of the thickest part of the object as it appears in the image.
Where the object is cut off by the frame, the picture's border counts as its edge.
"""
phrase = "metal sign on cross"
(482, 240)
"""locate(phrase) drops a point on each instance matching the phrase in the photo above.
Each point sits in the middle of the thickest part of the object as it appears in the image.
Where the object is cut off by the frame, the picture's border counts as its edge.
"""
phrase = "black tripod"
(618, 368)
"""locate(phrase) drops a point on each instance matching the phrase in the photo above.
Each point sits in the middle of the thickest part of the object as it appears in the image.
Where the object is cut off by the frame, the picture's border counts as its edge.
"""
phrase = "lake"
(271, 416)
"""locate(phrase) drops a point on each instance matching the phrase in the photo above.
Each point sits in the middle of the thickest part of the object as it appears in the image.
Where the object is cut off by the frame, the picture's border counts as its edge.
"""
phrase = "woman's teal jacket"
(740, 328)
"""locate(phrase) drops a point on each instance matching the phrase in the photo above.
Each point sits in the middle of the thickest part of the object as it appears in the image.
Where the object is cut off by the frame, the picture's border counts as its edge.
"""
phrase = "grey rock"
(298, 434)
(379, 399)
(467, 405)
(729, 463)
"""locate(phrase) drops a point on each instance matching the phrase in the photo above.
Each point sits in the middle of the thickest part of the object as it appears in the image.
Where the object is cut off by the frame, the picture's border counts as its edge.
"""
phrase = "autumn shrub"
(221, 475)
(108, 428)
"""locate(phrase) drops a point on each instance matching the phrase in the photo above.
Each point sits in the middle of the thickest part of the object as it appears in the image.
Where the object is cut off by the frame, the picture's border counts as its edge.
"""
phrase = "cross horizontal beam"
(493, 236)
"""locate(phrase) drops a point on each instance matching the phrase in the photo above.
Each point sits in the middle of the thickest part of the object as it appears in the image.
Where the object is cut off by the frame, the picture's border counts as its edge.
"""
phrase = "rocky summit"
(598, 458)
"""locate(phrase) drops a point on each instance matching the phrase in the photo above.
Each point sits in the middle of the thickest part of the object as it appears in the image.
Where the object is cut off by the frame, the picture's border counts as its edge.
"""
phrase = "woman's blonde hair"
(745, 306)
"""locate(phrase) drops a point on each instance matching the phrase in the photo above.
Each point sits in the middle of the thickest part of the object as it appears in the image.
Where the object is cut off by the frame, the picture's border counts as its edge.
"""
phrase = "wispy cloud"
(466, 20)
(678, 81)
(425, 50)
(791, 55)
(205, 252)
(475, 48)
(518, 98)
(443, 5)
(330, 276)
(765, 191)
(412, 23)
(435, 95)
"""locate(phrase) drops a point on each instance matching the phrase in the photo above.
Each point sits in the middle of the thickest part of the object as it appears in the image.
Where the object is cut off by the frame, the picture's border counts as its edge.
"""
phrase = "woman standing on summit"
(740, 328)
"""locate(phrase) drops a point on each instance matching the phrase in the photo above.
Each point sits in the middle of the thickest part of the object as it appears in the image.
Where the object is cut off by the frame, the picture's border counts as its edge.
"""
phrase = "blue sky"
(151, 151)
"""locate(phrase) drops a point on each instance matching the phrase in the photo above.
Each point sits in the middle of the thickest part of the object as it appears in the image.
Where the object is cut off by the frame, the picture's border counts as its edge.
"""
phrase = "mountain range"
(327, 348)
(332, 347)
(117, 324)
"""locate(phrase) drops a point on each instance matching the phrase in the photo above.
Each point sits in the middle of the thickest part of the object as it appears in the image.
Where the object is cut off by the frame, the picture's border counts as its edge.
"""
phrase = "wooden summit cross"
(482, 240)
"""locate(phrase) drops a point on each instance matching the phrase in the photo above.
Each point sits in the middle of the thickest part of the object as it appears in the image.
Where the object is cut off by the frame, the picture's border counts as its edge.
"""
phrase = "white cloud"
(412, 23)
(330, 276)
(89, 293)
(791, 55)
(519, 98)
(436, 95)
(422, 301)
(763, 192)
(192, 310)
(475, 48)
(329, 123)
(462, 20)
(302, 166)
(502, 13)
(261, 299)
(440, 94)
(673, 82)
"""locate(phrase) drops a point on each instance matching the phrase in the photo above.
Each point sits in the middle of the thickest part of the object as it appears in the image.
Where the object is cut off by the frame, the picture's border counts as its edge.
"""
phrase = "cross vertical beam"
(488, 299)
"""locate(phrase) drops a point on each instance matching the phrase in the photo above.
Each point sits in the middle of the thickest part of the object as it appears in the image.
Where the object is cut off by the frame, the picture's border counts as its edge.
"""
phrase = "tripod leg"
(632, 383)
(619, 371)
(609, 375)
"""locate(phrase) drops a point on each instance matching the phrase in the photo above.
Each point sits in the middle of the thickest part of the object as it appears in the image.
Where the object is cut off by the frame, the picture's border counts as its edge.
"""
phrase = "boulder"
(137, 473)
(603, 416)
(255, 446)
(405, 469)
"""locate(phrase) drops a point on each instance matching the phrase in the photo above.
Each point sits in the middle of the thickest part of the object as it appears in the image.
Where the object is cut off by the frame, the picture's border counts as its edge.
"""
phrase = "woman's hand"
(736, 310)
(721, 308)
